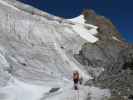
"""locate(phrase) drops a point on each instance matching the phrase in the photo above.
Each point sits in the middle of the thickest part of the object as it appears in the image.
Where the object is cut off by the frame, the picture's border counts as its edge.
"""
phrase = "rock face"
(111, 56)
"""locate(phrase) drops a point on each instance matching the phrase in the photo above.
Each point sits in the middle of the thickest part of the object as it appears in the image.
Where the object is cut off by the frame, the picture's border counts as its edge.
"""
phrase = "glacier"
(36, 55)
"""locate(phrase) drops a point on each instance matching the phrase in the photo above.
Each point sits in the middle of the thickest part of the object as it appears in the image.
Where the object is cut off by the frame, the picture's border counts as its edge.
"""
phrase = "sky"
(120, 12)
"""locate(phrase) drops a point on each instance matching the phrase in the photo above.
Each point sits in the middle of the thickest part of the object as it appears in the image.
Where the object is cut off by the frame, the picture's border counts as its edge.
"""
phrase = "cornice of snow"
(80, 20)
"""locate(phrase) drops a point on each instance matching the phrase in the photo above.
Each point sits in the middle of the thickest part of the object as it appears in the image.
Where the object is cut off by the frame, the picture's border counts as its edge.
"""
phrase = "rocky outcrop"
(106, 27)
(110, 60)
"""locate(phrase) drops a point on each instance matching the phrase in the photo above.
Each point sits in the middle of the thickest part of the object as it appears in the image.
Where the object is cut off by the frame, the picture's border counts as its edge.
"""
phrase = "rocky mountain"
(40, 51)
(37, 55)
(111, 56)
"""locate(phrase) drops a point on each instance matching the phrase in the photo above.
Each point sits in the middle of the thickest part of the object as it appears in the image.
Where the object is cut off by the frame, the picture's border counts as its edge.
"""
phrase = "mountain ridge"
(40, 51)
(111, 53)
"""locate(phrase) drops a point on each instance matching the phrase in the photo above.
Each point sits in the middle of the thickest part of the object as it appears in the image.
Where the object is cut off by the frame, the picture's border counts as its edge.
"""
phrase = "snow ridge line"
(19, 6)
(7, 4)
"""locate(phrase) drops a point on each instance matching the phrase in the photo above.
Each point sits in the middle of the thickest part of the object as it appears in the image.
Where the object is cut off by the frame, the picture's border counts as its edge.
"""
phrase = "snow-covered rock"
(36, 52)
(109, 60)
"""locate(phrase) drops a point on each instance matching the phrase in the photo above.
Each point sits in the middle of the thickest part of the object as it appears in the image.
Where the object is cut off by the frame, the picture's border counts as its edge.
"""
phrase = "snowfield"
(17, 90)
(36, 56)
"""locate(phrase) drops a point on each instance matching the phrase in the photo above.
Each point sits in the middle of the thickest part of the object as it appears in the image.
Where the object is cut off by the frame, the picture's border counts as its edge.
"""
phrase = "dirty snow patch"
(99, 94)
(115, 38)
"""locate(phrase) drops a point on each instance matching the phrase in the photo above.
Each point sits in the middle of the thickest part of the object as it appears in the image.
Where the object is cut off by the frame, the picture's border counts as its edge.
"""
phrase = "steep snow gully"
(36, 56)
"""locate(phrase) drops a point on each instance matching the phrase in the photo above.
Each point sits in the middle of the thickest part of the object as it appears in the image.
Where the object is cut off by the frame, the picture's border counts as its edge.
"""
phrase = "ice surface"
(85, 33)
(36, 55)
(79, 19)
(17, 90)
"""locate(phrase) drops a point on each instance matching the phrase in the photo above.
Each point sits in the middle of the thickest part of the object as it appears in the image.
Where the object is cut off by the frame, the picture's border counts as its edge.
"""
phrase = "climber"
(76, 79)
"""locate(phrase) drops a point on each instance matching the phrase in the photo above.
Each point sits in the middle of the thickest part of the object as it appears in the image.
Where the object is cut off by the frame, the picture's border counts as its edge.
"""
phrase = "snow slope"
(83, 32)
(6, 4)
(36, 55)
(17, 90)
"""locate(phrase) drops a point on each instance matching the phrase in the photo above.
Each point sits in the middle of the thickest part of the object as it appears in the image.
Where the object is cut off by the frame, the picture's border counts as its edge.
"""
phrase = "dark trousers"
(75, 84)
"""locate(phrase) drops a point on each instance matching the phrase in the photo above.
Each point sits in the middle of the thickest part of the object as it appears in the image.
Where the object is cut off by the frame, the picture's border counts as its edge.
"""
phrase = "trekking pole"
(75, 95)
(78, 94)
